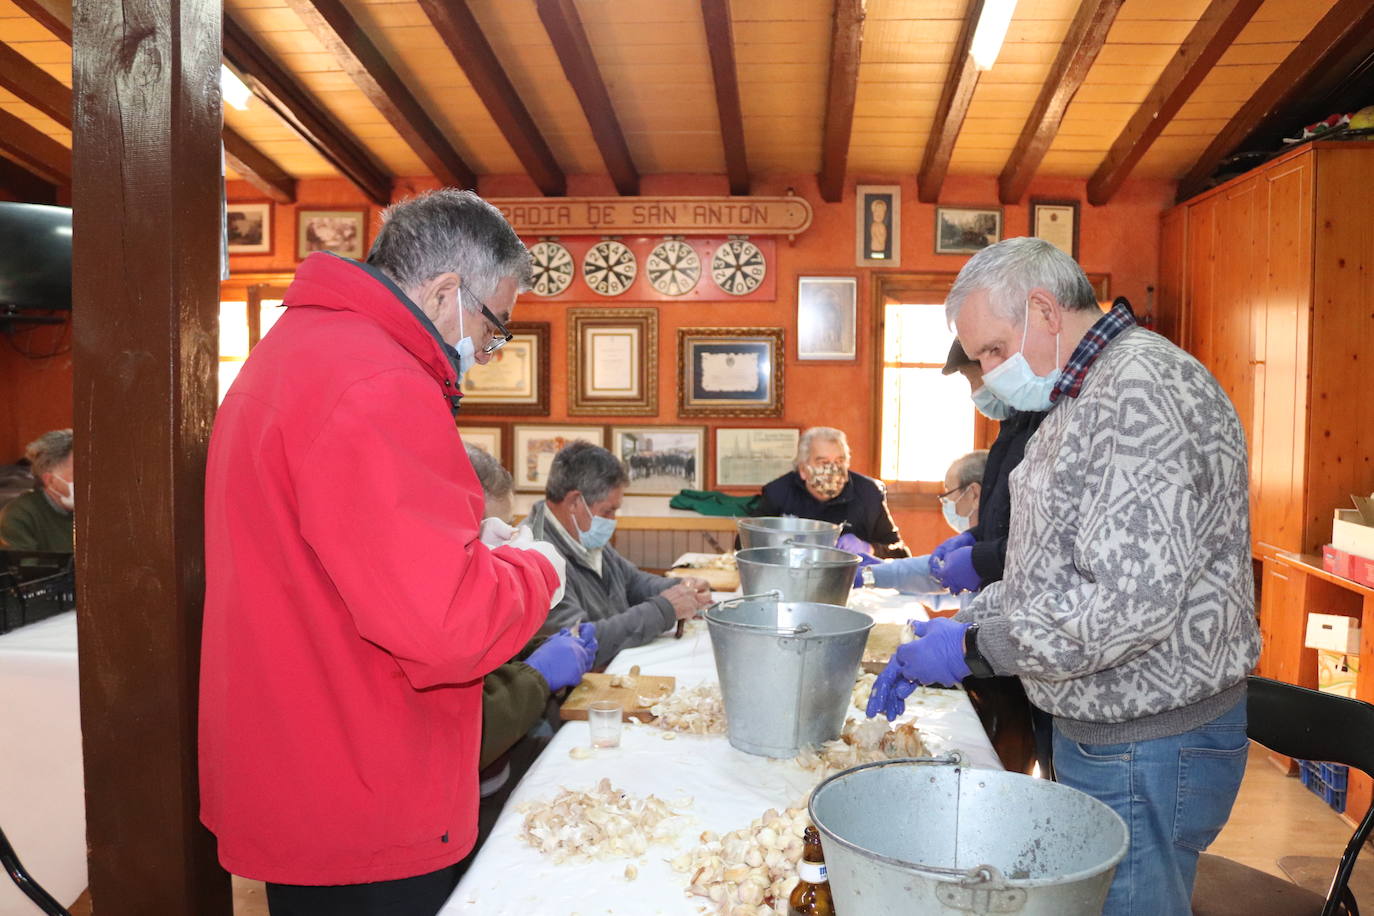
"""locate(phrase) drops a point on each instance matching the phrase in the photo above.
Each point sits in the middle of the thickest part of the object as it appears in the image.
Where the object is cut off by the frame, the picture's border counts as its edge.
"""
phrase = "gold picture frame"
(516, 380)
(730, 372)
(612, 362)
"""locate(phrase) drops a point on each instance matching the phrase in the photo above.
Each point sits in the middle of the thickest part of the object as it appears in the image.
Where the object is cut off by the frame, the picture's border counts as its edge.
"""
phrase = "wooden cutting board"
(883, 640)
(721, 580)
(598, 687)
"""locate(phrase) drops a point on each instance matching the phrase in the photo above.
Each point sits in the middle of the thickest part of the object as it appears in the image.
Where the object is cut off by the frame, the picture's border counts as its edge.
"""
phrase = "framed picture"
(966, 230)
(516, 381)
(1056, 221)
(534, 447)
(753, 457)
(340, 231)
(878, 225)
(826, 317)
(661, 459)
(730, 372)
(489, 439)
(248, 228)
(612, 361)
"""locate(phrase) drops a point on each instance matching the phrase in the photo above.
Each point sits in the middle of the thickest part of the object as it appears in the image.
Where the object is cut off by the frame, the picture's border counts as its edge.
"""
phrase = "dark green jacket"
(31, 522)
(622, 600)
(513, 700)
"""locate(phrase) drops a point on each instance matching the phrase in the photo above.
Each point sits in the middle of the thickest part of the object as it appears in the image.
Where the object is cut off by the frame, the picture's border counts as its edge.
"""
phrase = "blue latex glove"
(562, 660)
(936, 656)
(956, 573)
(865, 559)
(586, 634)
(854, 544)
(959, 540)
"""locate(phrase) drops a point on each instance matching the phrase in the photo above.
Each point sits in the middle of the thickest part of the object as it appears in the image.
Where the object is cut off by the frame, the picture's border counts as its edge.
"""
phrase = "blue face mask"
(602, 529)
(990, 405)
(1016, 384)
(959, 523)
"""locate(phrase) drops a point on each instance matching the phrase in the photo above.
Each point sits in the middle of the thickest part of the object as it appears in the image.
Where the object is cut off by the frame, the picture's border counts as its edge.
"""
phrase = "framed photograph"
(340, 231)
(1056, 221)
(612, 361)
(730, 372)
(516, 381)
(248, 228)
(878, 225)
(827, 317)
(966, 230)
(489, 439)
(535, 446)
(661, 459)
(753, 457)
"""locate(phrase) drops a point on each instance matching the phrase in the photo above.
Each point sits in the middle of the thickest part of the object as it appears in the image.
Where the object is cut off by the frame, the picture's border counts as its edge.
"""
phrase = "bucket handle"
(981, 889)
(776, 595)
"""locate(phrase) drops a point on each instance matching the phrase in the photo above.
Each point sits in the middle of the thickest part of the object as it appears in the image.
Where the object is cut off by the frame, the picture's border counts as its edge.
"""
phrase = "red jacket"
(350, 611)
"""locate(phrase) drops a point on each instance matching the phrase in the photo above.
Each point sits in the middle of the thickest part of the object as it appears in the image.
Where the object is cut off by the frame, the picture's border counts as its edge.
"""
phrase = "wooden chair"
(1303, 723)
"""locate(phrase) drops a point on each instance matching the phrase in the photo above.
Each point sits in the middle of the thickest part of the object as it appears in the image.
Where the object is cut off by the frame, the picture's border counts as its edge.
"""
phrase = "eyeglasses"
(503, 336)
(945, 496)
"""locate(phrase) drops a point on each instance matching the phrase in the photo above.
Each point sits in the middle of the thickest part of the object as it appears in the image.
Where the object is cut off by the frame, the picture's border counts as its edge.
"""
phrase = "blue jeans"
(1174, 794)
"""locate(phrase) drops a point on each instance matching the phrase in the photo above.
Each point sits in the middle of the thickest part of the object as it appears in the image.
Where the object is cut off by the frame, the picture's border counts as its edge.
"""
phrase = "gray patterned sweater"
(1127, 606)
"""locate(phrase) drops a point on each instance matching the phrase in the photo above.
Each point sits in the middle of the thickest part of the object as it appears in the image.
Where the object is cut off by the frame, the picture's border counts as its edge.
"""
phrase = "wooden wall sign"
(653, 269)
(542, 216)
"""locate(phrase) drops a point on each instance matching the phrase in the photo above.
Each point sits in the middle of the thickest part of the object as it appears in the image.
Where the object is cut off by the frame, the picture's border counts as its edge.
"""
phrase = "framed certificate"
(516, 380)
(1056, 221)
(730, 372)
(613, 362)
(753, 457)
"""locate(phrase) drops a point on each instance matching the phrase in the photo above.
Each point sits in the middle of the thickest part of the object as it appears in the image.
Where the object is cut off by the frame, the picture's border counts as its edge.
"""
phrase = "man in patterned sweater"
(1127, 606)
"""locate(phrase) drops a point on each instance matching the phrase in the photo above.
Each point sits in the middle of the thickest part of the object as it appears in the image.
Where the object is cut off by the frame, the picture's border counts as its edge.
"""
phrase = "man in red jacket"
(351, 609)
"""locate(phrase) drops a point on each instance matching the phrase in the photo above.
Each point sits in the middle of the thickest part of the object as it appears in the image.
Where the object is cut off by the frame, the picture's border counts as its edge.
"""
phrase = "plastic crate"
(27, 601)
(1326, 780)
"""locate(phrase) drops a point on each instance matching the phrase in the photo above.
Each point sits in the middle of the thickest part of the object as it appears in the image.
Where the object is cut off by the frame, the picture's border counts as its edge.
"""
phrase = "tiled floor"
(1274, 817)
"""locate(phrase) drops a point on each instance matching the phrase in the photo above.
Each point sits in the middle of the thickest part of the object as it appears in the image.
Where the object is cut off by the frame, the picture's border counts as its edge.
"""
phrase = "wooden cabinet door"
(1173, 273)
(1199, 289)
(1239, 268)
(1280, 327)
(1282, 623)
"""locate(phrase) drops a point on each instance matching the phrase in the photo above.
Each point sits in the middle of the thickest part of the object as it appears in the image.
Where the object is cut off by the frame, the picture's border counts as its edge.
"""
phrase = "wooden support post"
(145, 300)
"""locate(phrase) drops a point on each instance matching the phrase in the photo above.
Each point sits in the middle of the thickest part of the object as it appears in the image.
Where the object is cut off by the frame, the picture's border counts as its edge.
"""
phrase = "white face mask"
(68, 501)
(467, 350)
(990, 405)
(1016, 383)
(959, 523)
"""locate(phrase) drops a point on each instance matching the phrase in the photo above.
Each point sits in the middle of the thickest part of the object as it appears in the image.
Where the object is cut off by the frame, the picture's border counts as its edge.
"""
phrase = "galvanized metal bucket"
(801, 572)
(905, 836)
(786, 670)
(776, 531)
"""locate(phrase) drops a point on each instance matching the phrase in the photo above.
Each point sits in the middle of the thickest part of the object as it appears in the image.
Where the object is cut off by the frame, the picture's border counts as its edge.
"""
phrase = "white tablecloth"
(41, 791)
(729, 788)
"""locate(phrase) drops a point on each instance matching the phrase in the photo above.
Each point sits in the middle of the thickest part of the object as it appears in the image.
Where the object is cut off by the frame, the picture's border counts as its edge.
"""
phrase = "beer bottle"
(811, 896)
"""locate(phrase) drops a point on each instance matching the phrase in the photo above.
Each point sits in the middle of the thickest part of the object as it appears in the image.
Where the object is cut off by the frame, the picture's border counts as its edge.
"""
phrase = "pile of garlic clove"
(864, 741)
(751, 871)
(863, 686)
(698, 710)
(601, 823)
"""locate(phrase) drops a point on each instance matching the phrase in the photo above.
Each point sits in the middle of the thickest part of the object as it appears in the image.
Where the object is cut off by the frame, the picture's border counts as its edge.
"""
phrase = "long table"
(727, 787)
(41, 790)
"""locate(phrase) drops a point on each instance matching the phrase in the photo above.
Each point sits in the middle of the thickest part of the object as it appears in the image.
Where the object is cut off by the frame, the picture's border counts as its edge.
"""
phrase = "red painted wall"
(1120, 239)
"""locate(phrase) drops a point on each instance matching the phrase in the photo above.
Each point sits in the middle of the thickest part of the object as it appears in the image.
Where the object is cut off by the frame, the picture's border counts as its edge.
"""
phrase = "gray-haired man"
(42, 518)
(1127, 604)
(577, 515)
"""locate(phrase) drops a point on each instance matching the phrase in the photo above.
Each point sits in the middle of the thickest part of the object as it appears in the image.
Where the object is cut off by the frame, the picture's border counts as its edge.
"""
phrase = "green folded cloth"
(713, 502)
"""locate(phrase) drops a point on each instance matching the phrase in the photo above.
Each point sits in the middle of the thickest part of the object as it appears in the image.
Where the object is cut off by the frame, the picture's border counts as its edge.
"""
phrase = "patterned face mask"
(827, 479)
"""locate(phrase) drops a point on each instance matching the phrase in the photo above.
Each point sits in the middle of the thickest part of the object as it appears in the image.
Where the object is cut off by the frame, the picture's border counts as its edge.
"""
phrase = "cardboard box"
(1336, 561)
(1351, 534)
(1337, 672)
(1334, 632)
(1362, 571)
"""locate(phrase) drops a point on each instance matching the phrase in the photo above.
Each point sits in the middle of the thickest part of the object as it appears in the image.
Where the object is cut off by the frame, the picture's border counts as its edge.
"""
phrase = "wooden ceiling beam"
(340, 33)
(1219, 25)
(34, 150)
(257, 168)
(1347, 24)
(49, 17)
(35, 86)
(846, 43)
(303, 114)
(458, 27)
(24, 185)
(564, 27)
(720, 41)
(960, 82)
(1083, 42)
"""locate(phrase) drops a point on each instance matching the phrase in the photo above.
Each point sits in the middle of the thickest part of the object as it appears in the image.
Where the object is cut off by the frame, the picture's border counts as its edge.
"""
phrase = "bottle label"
(812, 872)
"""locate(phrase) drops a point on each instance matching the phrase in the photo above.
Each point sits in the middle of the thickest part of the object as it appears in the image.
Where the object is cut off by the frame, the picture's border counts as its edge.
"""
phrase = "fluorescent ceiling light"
(990, 32)
(235, 93)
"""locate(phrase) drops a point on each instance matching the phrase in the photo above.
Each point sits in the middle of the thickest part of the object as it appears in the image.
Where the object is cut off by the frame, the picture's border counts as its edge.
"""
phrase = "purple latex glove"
(889, 692)
(956, 573)
(562, 660)
(959, 540)
(586, 634)
(935, 656)
(854, 544)
(865, 559)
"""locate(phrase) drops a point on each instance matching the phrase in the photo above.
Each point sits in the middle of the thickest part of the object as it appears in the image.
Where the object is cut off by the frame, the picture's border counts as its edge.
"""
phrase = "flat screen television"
(35, 257)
